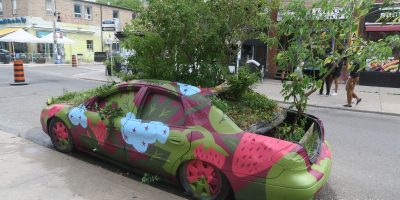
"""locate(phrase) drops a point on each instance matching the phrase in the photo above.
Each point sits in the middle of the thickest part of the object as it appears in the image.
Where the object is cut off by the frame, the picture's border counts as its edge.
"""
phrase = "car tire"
(60, 136)
(202, 180)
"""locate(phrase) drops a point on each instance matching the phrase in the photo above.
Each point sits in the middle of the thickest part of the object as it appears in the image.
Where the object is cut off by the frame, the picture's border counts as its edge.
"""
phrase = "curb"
(94, 79)
(346, 109)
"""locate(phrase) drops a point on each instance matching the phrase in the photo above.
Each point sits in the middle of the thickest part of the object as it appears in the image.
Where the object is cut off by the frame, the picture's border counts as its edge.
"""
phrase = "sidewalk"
(374, 99)
(31, 171)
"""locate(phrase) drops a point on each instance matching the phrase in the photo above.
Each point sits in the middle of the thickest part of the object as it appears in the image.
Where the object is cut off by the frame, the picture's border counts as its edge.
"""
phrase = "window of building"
(115, 14)
(1, 7)
(89, 45)
(49, 7)
(88, 12)
(14, 6)
(78, 11)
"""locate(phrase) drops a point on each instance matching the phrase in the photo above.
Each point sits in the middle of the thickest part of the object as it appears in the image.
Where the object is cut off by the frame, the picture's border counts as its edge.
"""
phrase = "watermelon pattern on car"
(190, 131)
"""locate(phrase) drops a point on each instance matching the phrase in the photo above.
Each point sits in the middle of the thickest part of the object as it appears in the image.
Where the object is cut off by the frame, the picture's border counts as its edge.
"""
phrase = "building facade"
(80, 21)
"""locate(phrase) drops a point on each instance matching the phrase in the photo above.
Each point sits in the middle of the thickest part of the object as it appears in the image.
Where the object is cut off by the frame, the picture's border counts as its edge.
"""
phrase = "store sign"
(383, 15)
(15, 20)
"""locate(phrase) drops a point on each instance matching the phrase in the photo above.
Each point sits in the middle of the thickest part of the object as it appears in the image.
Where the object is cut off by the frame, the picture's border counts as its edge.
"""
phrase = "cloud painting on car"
(140, 134)
(188, 90)
(77, 116)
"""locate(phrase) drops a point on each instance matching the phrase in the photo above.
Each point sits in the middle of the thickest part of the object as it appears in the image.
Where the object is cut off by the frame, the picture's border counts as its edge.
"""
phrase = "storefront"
(379, 25)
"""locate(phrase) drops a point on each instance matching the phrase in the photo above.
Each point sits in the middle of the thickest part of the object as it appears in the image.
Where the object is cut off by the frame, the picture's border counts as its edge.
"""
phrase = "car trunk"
(310, 137)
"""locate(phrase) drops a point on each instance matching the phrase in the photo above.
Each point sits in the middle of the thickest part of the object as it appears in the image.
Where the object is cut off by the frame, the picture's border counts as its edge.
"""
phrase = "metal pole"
(101, 27)
(55, 48)
(238, 58)
(111, 57)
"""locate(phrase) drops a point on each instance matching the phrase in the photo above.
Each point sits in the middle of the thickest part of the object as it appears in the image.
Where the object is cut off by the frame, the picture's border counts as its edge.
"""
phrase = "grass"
(249, 109)
(76, 98)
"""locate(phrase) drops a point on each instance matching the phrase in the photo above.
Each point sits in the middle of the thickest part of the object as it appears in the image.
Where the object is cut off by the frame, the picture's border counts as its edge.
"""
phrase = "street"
(365, 147)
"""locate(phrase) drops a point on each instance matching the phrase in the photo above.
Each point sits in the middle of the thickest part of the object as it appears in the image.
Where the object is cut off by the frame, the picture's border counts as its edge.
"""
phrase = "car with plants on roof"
(183, 133)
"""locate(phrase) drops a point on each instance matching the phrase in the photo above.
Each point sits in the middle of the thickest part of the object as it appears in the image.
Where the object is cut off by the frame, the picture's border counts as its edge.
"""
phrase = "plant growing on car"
(76, 98)
(109, 113)
(150, 178)
(304, 35)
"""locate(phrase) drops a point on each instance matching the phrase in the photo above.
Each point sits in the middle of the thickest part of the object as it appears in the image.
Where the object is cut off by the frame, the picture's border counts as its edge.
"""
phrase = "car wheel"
(60, 136)
(201, 180)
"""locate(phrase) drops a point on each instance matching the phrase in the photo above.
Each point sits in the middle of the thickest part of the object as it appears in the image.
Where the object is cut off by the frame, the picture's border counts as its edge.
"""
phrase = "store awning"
(6, 31)
(64, 40)
(382, 28)
(20, 36)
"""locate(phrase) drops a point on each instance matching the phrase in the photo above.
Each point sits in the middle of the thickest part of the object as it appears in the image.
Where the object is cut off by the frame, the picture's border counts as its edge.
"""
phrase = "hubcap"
(203, 178)
(60, 133)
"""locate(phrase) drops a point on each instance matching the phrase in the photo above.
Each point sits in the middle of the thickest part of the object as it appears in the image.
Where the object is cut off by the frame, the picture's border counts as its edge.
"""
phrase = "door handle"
(176, 140)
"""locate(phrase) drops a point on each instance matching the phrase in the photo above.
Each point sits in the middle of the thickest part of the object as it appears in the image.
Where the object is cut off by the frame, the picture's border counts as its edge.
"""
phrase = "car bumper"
(288, 185)
(303, 185)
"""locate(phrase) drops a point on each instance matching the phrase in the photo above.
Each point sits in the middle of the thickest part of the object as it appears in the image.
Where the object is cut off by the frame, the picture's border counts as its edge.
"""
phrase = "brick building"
(80, 21)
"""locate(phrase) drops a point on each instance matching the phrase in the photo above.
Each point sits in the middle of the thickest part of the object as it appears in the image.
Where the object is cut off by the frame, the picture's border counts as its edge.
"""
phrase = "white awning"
(20, 36)
(49, 39)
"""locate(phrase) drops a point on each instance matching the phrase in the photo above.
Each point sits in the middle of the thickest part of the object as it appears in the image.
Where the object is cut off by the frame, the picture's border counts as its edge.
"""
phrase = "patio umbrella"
(20, 36)
(49, 39)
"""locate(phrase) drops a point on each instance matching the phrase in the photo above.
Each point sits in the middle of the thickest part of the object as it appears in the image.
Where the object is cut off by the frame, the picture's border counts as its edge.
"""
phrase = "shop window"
(115, 14)
(14, 6)
(89, 45)
(88, 12)
(78, 11)
(49, 7)
(1, 7)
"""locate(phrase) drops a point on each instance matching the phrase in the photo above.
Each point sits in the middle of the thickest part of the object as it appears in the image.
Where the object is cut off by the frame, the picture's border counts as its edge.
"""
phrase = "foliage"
(285, 132)
(306, 36)
(179, 44)
(238, 85)
(249, 109)
(110, 113)
(130, 4)
(76, 98)
(149, 178)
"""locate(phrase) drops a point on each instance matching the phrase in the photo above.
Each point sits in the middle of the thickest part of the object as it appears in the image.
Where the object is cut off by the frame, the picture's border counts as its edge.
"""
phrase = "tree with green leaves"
(136, 5)
(191, 41)
(309, 33)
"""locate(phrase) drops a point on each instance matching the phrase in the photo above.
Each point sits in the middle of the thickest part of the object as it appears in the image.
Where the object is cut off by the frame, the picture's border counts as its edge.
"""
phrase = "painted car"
(173, 130)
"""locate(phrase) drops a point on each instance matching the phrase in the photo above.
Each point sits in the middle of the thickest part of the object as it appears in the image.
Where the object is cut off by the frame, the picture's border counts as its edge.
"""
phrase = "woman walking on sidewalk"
(350, 85)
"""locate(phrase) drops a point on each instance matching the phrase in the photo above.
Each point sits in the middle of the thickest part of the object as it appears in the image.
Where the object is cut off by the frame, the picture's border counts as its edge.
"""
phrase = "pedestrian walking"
(350, 85)
(336, 75)
(327, 81)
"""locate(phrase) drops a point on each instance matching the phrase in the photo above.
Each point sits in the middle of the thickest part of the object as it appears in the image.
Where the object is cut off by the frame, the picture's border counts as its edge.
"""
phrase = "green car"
(173, 130)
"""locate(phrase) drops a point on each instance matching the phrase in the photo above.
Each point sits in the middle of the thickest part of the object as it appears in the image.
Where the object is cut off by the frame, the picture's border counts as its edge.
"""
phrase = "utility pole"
(55, 49)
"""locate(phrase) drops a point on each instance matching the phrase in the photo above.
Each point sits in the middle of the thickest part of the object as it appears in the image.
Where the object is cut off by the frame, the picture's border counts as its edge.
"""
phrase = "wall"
(78, 29)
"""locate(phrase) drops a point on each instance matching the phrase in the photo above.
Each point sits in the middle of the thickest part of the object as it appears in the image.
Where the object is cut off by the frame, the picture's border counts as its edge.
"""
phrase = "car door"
(104, 127)
(156, 138)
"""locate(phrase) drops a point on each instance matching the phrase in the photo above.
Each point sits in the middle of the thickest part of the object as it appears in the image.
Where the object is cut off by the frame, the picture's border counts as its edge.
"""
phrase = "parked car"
(173, 130)
(4, 56)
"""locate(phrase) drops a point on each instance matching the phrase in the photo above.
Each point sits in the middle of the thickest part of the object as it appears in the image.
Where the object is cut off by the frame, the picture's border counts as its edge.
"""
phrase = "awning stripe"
(6, 31)
(382, 28)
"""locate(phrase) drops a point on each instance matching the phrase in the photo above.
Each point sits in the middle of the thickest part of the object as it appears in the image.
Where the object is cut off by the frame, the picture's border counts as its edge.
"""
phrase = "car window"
(166, 108)
(121, 99)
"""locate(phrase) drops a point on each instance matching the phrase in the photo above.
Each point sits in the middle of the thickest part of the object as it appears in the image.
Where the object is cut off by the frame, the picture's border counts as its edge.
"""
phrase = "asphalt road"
(21, 105)
(365, 147)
